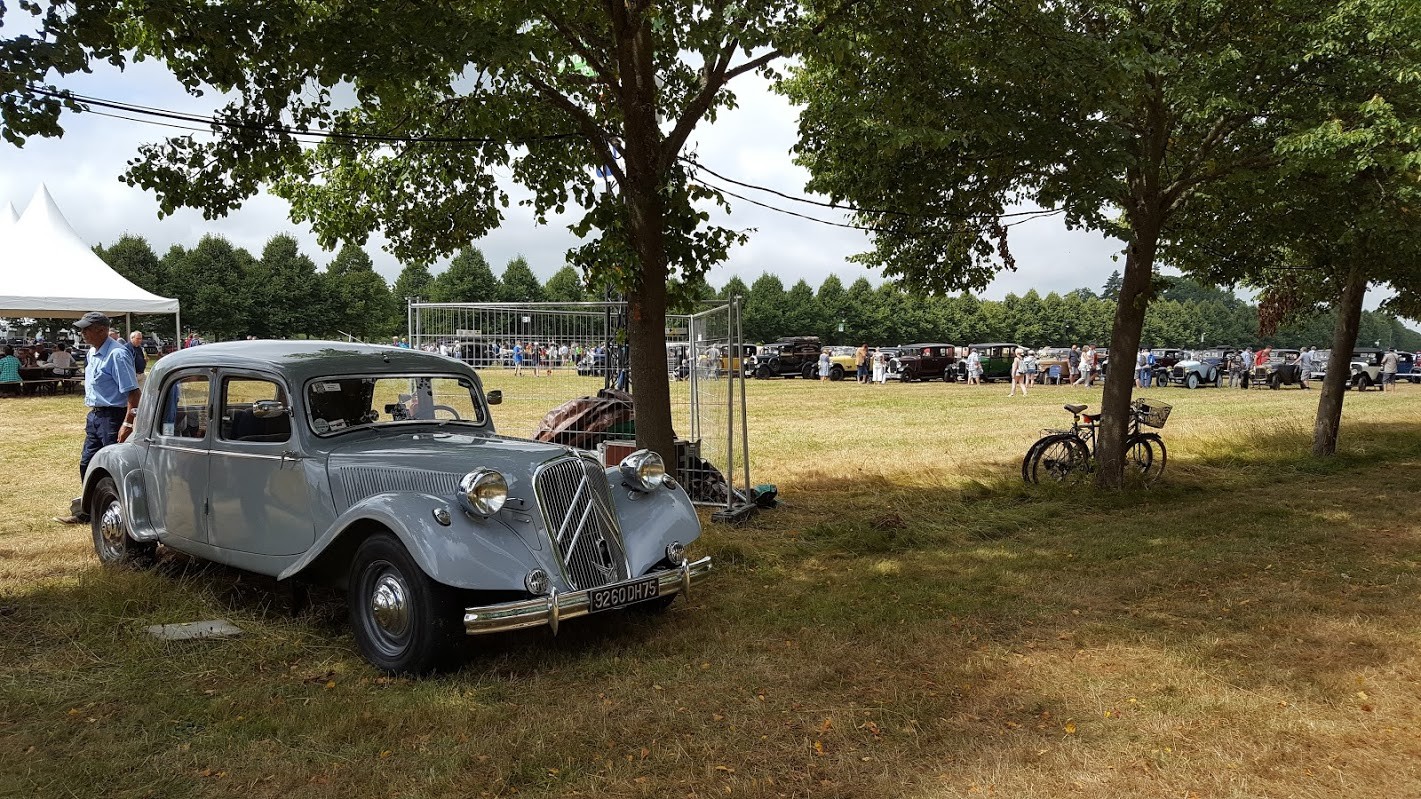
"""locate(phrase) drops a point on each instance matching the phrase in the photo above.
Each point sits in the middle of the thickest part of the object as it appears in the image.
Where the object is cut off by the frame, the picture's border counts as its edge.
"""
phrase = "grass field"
(912, 622)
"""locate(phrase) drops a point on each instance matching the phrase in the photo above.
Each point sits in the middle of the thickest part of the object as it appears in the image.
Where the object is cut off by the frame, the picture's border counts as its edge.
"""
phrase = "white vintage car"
(379, 470)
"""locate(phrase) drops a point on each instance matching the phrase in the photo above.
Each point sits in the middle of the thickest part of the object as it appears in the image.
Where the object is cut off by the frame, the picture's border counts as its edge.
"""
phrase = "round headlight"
(537, 582)
(482, 492)
(643, 470)
(676, 553)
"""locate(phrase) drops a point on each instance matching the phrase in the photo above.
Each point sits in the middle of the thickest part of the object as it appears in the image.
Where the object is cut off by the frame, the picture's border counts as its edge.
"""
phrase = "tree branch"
(607, 75)
(585, 123)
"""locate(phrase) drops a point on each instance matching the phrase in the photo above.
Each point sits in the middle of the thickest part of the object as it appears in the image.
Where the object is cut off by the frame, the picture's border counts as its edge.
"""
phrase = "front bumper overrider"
(555, 608)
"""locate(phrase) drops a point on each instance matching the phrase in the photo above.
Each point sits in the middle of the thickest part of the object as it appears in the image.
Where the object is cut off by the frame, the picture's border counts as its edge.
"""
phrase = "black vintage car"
(926, 362)
(1282, 369)
(789, 357)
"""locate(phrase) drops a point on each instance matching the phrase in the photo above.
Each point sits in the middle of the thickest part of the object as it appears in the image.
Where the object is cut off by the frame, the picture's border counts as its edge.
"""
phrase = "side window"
(185, 412)
(244, 420)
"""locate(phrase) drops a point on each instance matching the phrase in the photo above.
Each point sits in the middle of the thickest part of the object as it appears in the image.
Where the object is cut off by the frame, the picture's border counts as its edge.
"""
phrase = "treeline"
(228, 293)
(1184, 314)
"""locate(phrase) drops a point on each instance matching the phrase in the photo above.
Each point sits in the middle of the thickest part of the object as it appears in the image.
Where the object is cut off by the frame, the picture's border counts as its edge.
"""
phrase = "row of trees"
(227, 292)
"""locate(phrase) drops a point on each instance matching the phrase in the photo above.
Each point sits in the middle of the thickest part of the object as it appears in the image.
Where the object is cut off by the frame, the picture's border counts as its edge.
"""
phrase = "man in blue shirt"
(111, 392)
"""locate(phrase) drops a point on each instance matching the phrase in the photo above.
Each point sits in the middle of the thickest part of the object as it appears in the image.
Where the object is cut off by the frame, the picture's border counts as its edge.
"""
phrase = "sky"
(751, 143)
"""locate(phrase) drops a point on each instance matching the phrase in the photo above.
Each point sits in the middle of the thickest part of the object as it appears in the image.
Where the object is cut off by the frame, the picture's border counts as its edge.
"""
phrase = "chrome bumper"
(555, 608)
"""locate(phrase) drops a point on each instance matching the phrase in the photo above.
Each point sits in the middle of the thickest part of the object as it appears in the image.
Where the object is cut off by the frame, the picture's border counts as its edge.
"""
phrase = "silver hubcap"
(389, 605)
(111, 528)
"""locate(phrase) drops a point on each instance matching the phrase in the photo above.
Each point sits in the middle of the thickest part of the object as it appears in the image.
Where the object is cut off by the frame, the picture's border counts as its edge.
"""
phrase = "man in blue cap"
(111, 392)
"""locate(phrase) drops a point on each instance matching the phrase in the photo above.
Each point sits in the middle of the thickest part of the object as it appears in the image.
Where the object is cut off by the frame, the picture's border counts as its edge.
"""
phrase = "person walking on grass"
(1142, 368)
(1248, 361)
(974, 367)
(1031, 366)
(1305, 365)
(1018, 373)
(110, 391)
(1086, 365)
(1390, 363)
(824, 366)
(1073, 361)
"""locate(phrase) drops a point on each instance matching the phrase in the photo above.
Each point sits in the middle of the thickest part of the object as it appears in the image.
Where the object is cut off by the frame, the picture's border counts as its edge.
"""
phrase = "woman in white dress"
(880, 368)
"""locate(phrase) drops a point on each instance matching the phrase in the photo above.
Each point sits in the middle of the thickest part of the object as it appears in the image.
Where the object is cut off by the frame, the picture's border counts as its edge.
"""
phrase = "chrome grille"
(1179, 371)
(577, 509)
(359, 482)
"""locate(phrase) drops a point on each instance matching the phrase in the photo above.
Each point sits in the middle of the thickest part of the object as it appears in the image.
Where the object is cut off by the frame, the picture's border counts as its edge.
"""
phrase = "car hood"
(432, 462)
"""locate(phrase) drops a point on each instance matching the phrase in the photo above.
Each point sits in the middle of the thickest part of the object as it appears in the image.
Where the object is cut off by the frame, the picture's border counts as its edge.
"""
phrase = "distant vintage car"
(1058, 357)
(1165, 359)
(1366, 368)
(926, 362)
(1282, 369)
(1406, 367)
(996, 360)
(841, 362)
(378, 470)
(789, 357)
(1199, 368)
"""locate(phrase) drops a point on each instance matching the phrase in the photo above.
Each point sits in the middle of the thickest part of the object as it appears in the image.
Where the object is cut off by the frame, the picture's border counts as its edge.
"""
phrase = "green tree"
(468, 279)
(1111, 289)
(213, 283)
(801, 313)
(763, 314)
(734, 287)
(539, 91)
(287, 297)
(832, 302)
(360, 295)
(565, 286)
(132, 257)
(1086, 106)
(413, 284)
(519, 284)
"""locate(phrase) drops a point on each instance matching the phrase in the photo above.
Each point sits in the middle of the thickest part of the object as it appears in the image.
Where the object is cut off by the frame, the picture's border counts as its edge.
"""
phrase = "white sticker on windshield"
(320, 425)
(337, 424)
(330, 386)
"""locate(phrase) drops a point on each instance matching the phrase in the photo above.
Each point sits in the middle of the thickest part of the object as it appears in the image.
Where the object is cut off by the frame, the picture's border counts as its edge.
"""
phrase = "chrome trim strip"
(252, 455)
(172, 448)
(555, 608)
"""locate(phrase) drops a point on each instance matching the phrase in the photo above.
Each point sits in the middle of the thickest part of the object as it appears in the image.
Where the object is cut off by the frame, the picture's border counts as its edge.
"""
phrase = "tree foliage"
(468, 279)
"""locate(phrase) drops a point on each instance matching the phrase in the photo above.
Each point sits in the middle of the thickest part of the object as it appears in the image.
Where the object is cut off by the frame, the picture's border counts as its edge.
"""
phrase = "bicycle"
(1068, 455)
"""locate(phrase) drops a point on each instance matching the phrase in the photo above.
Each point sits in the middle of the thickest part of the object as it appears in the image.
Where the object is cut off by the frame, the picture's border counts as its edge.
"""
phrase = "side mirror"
(494, 397)
(268, 409)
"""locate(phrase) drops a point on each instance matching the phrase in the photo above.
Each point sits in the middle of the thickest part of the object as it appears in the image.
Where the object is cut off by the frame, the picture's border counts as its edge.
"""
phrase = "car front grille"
(1179, 372)
(577, 508)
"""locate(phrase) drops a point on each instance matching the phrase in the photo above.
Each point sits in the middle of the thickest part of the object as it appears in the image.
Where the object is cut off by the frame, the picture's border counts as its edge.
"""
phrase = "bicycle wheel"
(1060, 458)
(1145, 456)
(1030, 456)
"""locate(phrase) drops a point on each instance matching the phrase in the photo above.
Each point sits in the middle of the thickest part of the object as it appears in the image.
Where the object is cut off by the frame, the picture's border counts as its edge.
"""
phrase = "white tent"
(47, 271)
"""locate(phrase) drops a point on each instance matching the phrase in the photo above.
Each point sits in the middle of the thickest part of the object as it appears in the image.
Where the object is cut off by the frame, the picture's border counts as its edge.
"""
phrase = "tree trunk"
(646, 322)
(1334, 385)
(1124, 343)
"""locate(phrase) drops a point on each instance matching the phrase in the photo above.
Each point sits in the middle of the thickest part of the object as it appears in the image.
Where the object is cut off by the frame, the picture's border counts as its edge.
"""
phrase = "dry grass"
(912, 623)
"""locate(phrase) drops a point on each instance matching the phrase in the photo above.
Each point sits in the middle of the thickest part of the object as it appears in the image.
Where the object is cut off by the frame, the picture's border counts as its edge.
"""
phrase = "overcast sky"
(750, 143)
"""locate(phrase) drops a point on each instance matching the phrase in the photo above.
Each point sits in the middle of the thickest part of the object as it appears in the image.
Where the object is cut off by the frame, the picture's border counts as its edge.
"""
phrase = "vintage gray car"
(378, 469)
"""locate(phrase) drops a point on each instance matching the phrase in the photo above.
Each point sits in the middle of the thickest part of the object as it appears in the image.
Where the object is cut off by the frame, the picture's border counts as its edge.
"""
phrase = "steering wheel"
(453, 414)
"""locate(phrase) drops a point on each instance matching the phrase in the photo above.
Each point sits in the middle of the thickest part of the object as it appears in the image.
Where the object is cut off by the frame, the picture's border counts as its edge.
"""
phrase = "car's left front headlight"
(644, 470)
(482, 492)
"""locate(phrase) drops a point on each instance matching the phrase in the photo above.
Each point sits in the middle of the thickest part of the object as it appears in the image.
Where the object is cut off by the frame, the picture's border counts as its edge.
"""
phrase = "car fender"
(124, 463)
(471, 552)
(651, 521)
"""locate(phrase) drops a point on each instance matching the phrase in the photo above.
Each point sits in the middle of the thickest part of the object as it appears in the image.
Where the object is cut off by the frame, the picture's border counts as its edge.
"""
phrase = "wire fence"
(562, 368)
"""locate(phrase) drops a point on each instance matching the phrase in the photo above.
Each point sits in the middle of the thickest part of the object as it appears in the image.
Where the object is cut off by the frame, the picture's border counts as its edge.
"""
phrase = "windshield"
(339, 404)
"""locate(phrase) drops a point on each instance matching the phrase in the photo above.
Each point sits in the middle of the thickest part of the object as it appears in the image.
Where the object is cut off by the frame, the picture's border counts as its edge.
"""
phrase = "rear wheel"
(1057, 458)
(109, 524)
(836, 372)
(1145, 456)
(404, 622)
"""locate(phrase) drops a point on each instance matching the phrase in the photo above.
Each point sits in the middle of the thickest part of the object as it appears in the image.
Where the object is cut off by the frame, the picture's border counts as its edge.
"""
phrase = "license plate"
(619, 596)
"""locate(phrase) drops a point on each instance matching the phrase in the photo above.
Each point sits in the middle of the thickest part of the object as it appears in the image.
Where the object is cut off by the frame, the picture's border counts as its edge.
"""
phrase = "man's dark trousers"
(100, 430)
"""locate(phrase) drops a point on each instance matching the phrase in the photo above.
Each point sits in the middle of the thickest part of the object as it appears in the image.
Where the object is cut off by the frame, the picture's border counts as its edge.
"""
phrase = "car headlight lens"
(537, 582)
(644, 470)
(482, 492)
(676, 553)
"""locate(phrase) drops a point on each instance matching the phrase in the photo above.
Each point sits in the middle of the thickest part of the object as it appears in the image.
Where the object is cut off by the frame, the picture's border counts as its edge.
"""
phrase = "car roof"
(302, 360)
(996, 344)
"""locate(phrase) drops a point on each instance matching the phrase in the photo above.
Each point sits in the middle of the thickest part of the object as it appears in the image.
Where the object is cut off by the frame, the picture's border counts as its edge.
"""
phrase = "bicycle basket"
(1152, 414)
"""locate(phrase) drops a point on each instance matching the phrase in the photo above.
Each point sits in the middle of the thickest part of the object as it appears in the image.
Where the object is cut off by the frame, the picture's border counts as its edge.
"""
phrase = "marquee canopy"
(47, 271)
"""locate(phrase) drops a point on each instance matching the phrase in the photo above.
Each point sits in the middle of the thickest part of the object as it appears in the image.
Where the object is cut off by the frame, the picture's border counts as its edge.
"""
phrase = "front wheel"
(1364, 382)
(109, 525)
(1058, 458)
(1192, 381)
(1145, 456)
(906, 376)
(762, 372)
(836, 373)
(404, 622)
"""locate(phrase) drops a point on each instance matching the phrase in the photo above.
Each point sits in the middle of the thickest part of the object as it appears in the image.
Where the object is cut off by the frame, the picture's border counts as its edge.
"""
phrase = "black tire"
(762, 372)
(1192, 381)
(1364, 382)
(1275, 381)
(1059, 458)
(108, 522)
(907, 376)
(418, 622)
(1145, 456)
(836, 373)
(808, 371)
(1216, 378)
